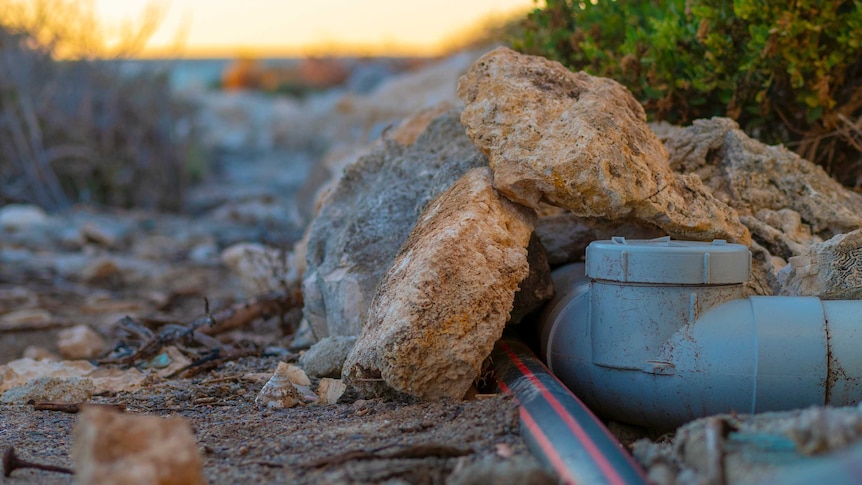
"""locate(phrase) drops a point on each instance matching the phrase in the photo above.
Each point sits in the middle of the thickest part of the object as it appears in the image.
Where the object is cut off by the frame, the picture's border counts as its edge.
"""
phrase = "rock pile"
(577, 151)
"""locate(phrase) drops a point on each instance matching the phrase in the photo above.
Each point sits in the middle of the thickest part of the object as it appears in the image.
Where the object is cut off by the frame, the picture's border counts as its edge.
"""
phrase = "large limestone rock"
(764, 183)
(447, 296)
(582, 143)
(830, 270)
(787, 202)
(368, 215)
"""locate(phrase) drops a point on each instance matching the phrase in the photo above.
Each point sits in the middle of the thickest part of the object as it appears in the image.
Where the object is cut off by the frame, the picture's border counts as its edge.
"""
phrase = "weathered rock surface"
(115, 448)
(787, 202)
(326, 357)
(367, 217)
(446, 297)
(830, 270)
(751, 177)
(582, 143)
(566, 236)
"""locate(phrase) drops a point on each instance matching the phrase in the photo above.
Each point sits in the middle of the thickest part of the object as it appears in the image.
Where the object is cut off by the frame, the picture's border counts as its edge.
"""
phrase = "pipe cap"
(664, 261)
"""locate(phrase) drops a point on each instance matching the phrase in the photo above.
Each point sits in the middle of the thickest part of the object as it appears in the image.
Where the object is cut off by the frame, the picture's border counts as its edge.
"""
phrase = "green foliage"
(787, 71)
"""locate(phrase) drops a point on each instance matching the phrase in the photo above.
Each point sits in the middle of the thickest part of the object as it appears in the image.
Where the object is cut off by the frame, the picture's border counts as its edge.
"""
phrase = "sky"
(221, 28)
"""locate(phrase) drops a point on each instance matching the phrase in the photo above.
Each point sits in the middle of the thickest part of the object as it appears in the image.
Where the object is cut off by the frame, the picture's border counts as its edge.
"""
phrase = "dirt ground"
(358, 441)
(352, 441)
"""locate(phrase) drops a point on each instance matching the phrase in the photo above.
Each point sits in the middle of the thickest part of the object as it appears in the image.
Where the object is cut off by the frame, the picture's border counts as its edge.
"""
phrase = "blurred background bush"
(788, 72)
(73, 127)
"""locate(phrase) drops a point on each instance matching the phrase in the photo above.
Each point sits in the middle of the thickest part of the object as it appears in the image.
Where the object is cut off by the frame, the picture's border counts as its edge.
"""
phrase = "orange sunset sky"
(224, 28)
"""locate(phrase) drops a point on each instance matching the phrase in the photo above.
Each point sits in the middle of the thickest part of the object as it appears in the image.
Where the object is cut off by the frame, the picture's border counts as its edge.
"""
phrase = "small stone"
(100, 270)
(279, 392)
(100, 234)
(110, 447)
(17, 298)
(329, 390)
(582, 143)
(447, 295)
(80, 342)
(296, 375)
(326, 357)
(522, 469)
(30, 319)
(21, 371)
(51, 389)
(36, 352)
(262, 269)
(21, 216)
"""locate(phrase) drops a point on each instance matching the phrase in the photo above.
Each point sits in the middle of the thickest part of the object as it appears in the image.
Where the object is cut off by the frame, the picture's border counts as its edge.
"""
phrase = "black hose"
(559, 429)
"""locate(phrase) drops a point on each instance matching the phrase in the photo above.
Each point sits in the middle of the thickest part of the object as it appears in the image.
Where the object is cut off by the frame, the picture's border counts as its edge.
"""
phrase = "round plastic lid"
(664, 261)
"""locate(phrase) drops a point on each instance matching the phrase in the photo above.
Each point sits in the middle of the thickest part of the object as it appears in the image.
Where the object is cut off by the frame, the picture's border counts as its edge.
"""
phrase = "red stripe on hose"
(582, 435)
(550, 451)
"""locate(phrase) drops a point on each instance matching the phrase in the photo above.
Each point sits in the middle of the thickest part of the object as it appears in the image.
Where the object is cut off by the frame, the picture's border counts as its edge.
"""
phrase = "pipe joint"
(658, 333)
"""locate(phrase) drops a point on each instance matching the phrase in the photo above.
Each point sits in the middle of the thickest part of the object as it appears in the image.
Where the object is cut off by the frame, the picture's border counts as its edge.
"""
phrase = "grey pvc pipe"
(661, 346)
(558, 428)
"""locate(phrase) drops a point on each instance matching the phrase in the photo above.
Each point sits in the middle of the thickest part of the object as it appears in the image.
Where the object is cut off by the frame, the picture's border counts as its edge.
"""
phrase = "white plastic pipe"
(642, 337)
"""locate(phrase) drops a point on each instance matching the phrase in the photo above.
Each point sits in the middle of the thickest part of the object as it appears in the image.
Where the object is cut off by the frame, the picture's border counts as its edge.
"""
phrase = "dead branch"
(246, 312)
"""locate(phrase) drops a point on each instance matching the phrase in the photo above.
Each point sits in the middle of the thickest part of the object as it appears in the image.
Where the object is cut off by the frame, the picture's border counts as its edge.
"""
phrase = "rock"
(51, 389)
(537, 287)
(495, 470)
(398, 97)
(17, 298)
(101, 269)
(446, 297)
(829, 270)
(110, 447)
(326, 357)
(738, 449)
(582, 143)
(262, 269)
(279, 391)
(367, 217)
(751, 176)
(329, 390)
(566, 236)
(80, 342)
(20, 372)
(787, 202)
(411, 127)
(820, 430)
(21, 216)
(36, 352)
(101, 234)
(29, 319)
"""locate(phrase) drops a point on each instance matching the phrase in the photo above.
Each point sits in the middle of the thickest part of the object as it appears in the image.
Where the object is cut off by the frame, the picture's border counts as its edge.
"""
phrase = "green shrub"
(786, 71)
